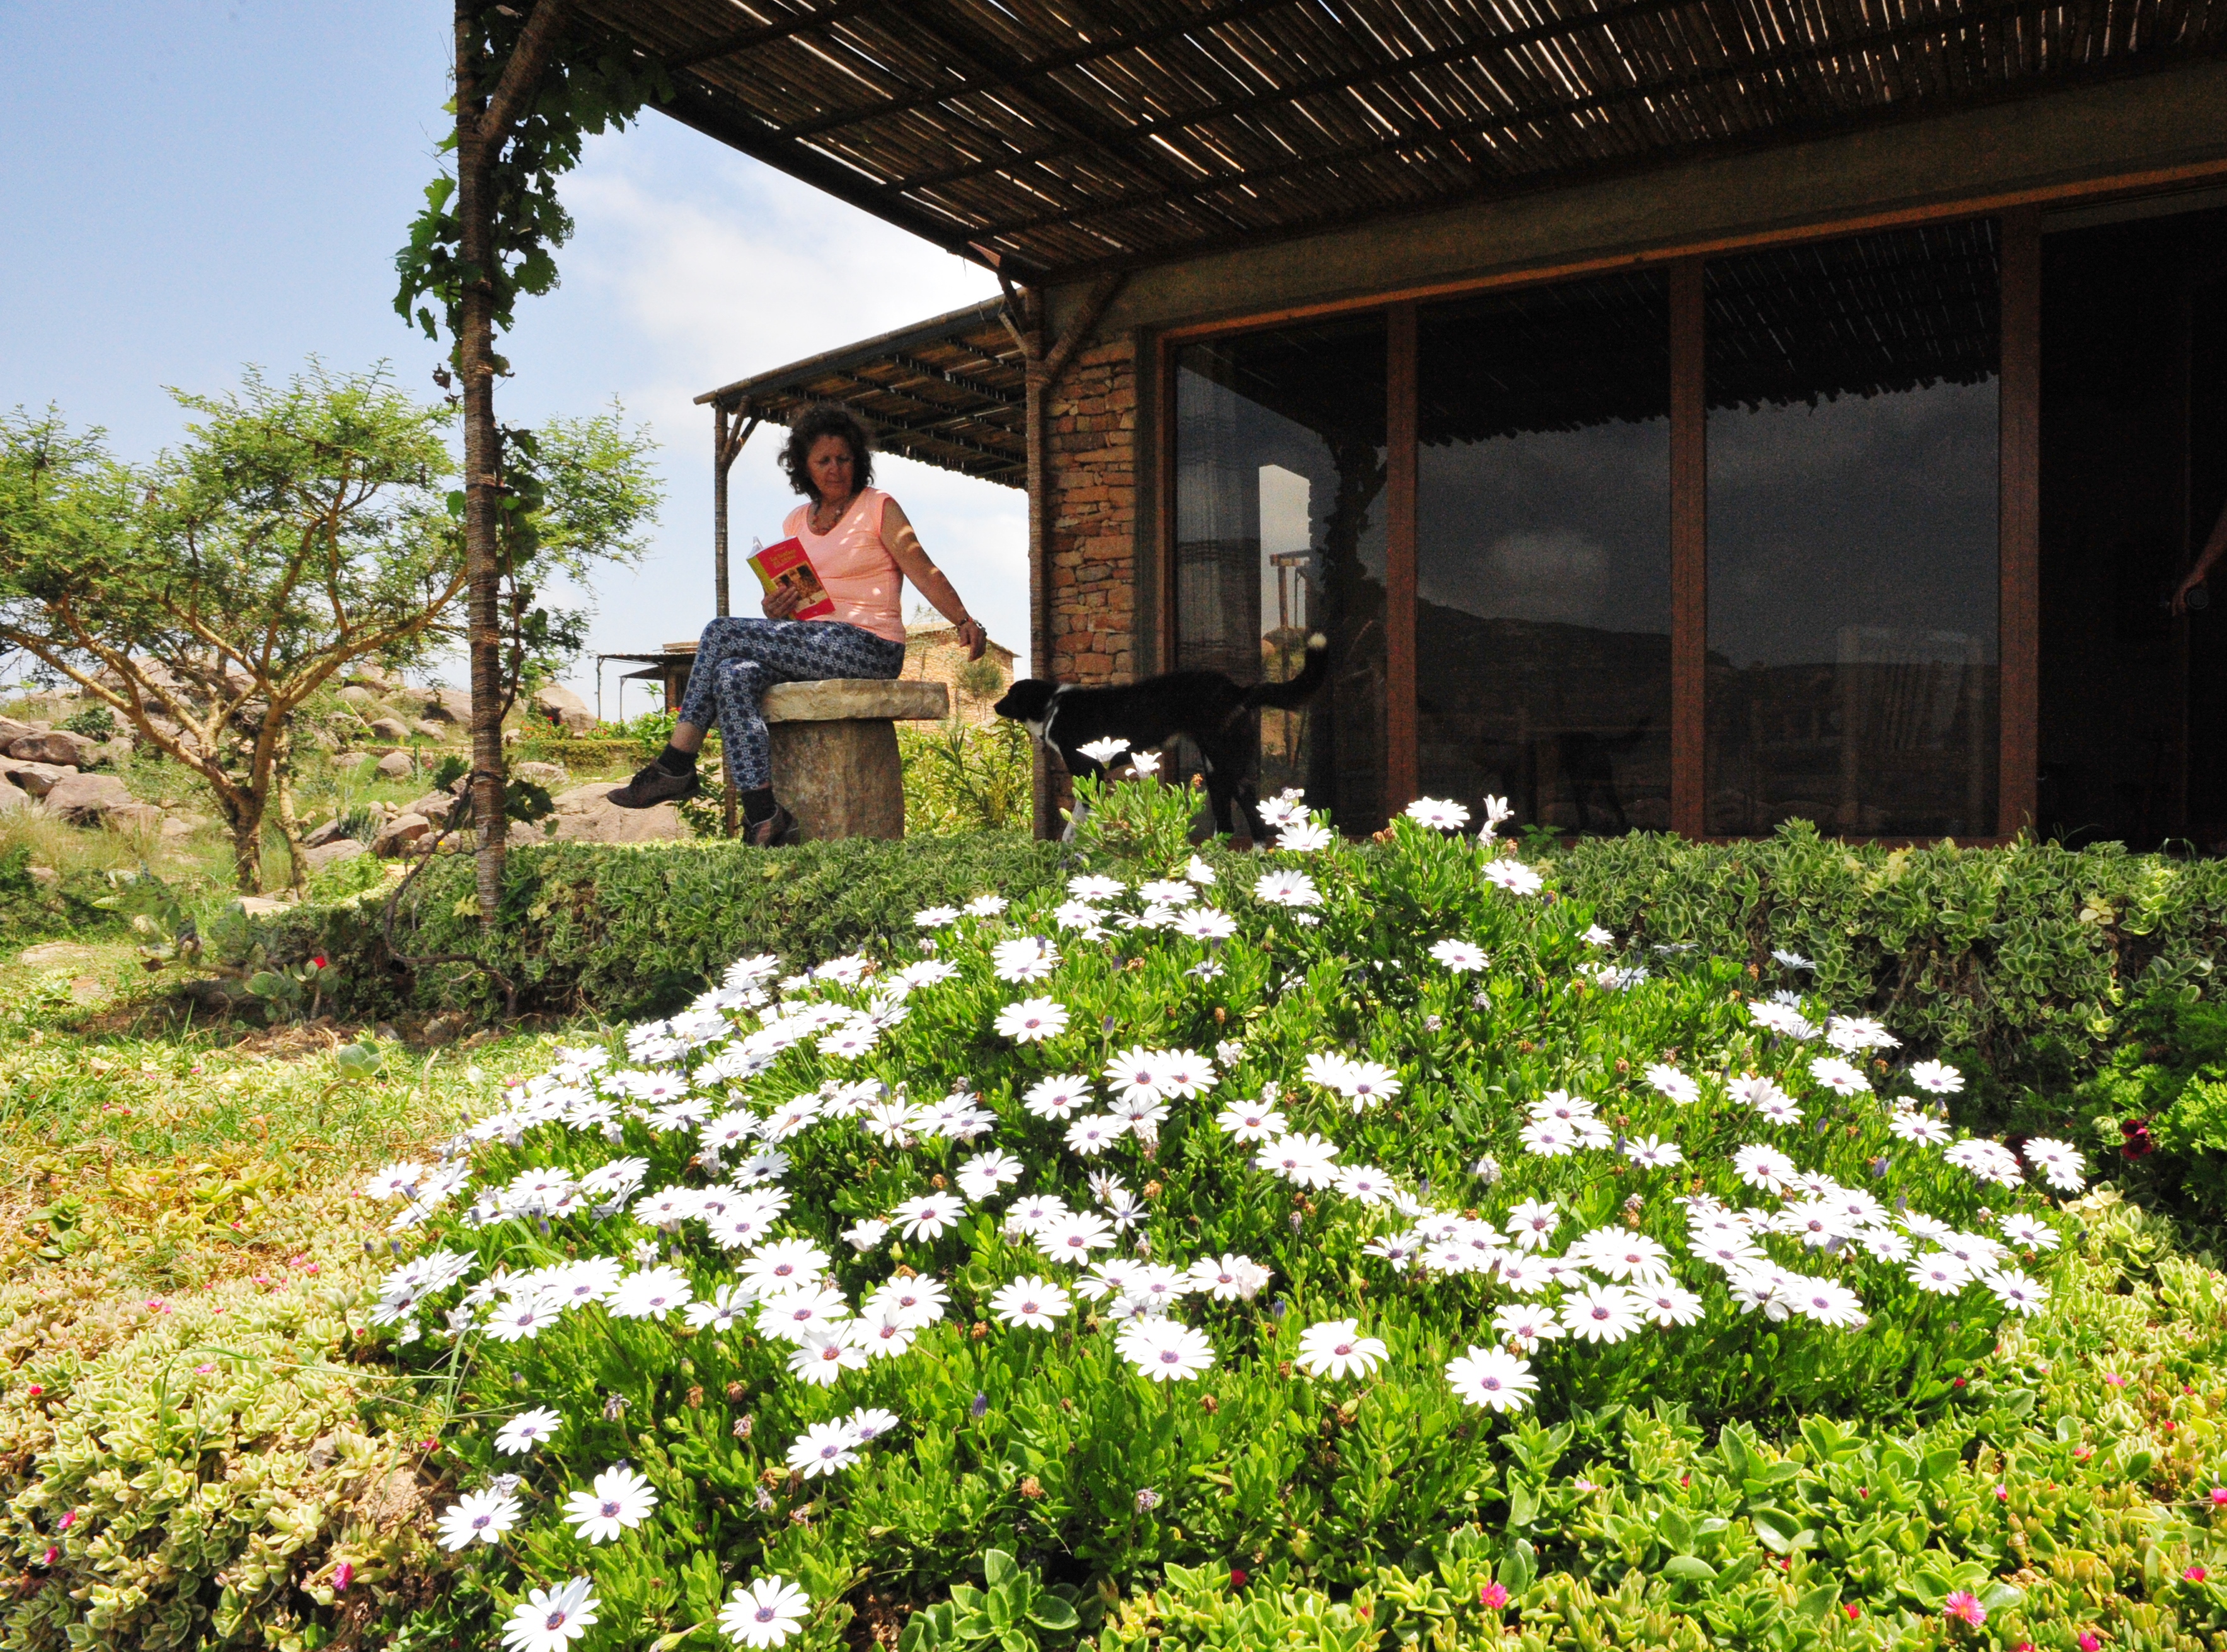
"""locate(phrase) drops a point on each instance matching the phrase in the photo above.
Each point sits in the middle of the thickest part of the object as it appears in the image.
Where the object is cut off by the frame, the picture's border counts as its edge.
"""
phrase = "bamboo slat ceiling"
(1060, 136)
(946, 392)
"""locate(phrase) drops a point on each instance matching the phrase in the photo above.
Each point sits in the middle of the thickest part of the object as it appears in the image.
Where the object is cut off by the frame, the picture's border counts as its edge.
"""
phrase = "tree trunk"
(289, 827)
(476, 150)
(246, 822)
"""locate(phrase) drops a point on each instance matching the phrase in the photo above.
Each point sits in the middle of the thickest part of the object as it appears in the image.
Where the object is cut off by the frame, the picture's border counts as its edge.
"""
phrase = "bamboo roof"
(1059, 138)
(946, 392)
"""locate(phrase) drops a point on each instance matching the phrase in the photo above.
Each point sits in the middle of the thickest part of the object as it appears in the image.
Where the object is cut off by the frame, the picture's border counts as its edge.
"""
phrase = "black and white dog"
(1214, 711)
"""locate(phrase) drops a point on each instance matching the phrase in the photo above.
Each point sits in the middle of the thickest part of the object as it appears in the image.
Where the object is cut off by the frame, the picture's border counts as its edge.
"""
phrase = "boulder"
(586, 814)
(399, 833)
(434, 806)
(37, 779)
(13, 797)
(84, 800)
(430, 729)
(561, 705)
(350, 759)
(12, 731)
(263, 906)
(397, 765)
(58, 746)
(376, 679)
(323, 834)
(133, 817)
(545, 774)
(183, 826)
(331, 854)
(390, 729)
(109, 754)
(356, 694)
(448, 706)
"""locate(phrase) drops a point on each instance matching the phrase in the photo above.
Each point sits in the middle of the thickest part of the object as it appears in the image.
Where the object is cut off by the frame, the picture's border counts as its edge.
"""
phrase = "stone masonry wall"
(1094, 518)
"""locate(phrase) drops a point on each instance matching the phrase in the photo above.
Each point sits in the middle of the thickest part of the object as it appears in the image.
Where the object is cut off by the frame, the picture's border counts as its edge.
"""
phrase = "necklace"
(820, 506)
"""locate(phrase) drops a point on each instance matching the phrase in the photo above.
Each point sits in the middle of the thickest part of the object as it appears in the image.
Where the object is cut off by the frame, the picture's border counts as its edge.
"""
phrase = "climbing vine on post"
(529, 86)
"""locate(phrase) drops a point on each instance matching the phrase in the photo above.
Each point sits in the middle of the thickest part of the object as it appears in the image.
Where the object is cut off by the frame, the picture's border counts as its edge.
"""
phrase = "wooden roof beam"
(747, 40)
(1372, 75)
(957, 380)
(1948, 25)
(1213, 17)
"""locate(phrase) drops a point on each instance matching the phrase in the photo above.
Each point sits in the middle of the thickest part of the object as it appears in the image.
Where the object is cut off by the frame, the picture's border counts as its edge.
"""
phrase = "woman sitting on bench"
(863, 548)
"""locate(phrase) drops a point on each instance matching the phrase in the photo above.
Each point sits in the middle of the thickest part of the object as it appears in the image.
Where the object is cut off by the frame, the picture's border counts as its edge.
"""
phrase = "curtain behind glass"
(1853, 465)
(1280, 530)
(1542, 669)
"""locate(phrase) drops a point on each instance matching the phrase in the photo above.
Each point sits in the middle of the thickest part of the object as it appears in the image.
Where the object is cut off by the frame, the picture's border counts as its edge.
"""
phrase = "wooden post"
(1401, 778)
(483, 126)
(727, 443)
(1689, 552)
(2019, 523)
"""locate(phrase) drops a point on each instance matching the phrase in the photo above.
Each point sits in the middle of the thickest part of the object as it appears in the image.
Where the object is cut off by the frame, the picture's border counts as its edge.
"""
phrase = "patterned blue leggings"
(737, 660)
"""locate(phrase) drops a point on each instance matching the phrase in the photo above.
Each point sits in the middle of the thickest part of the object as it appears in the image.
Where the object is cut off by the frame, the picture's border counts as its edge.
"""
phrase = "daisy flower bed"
(1273, 1213)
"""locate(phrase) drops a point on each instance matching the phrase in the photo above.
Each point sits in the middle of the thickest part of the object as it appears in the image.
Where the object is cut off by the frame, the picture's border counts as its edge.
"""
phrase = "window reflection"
(1543, 553)
(1851, 534)
(1280, 530)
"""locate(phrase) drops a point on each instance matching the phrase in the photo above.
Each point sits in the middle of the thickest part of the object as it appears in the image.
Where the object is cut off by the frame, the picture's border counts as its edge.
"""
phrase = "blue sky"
(190, 185)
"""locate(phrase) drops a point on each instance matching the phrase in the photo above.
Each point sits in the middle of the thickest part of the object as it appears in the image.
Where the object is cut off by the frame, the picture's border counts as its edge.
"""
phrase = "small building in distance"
(935, 655)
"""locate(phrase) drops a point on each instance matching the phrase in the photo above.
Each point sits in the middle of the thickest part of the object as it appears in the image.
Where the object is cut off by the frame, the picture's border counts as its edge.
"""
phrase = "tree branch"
(537, 44)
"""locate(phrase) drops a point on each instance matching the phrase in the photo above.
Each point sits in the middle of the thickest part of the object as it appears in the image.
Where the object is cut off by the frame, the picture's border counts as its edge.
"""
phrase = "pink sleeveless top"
(855, 564)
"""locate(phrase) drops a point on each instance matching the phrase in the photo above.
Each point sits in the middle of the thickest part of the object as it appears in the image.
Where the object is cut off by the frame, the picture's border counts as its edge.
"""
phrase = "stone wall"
(1094, 518)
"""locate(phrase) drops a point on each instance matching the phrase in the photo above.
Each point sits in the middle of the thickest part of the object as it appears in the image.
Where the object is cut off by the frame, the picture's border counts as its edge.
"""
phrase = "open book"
(785, 566)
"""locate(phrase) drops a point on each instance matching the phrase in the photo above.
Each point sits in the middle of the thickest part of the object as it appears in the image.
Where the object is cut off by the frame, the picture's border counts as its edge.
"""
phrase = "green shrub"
(1670, 1452)
(94, 723)
(2022, 956)
(634, 930)
(964, 777)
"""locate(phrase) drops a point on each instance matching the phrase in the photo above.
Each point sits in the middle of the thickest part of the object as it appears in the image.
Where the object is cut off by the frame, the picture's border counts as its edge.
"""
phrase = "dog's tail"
(1297, 691)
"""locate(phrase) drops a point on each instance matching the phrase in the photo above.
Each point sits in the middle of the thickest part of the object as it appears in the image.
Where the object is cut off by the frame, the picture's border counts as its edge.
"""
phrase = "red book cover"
(785, 566)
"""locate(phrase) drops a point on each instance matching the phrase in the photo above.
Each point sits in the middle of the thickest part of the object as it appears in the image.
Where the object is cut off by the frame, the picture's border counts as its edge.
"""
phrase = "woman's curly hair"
(829, 419)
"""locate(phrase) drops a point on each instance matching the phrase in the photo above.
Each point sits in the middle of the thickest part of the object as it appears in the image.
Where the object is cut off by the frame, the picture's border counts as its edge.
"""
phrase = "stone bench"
(835, 765)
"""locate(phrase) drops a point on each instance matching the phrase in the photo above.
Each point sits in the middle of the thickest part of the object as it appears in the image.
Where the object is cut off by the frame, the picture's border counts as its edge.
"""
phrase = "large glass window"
(1852, 552)
(1543, 554)
(1280, 530)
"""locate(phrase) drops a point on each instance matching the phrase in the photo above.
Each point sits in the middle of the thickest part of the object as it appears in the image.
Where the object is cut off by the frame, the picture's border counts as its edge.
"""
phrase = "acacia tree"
(299, 529)
(530, 84)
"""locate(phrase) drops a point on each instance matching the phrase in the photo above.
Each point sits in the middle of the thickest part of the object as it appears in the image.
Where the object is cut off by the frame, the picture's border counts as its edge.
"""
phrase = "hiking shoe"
(653, 785)
(777, 831)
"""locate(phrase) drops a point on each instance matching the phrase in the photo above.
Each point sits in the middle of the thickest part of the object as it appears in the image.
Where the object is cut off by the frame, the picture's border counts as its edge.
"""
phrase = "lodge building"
(1679, 414)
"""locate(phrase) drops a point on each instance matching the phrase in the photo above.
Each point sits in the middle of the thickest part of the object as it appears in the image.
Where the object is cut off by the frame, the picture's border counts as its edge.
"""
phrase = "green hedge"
(636, 930)
(2024, 955)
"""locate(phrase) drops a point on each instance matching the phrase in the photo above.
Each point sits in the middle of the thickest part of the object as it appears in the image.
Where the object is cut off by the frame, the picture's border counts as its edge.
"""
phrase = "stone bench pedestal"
(835, 764)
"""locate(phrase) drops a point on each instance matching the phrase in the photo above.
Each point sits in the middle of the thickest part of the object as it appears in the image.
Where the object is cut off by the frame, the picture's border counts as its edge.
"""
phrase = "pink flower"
(1964, 1605)
(343, 1575)
(67, 1521)
(1493, 1595)
(2002, 1494)
(2091, 1641)
(2114, 1379)
(2195, 1574)
(2219, 1496)
(52, 1555)
(1851, 1611)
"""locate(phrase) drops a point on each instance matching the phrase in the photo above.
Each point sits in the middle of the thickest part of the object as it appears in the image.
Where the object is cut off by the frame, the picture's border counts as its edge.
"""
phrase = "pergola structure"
(1188, 169)
(949, 392)
(1061, 138)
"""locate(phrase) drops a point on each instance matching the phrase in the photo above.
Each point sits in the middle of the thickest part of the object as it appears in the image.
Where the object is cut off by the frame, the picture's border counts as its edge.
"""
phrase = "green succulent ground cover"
(1945, 1473)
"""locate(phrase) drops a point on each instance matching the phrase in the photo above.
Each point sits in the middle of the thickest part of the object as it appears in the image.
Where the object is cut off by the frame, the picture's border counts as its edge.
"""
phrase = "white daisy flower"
(1096, 886)
(2016, 1291)
(1603, 1313)
(823, 1355)
(1306, 1160)
(1252, 1121)
(616, 1502)
(2059, 1163)
(527, 1430)
(1094, 1134)
(823, 1449)
(766, 1613)
(1028, 959)
(1461, 957)
(1229, 1278)
(1839, 1076)
(1335, 1348)
(1074, 1236)
(1031, 1021)
(1937, 1077)
(1852, 1035)
(479, 1517)
(1031, 1301)
(550, 1620)
(1206, 923)
(651, 1294)
(2030, 1232)
(794, 1313)
(1166, 1350)
(1437, 815)
(1940, 1273)
(1288, 888)
(1782, 1018)
(1672, 1084)
(928, 1216)
(1492, 1378)
(1304, 837)
(1652, 1153)
(1513, 876)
